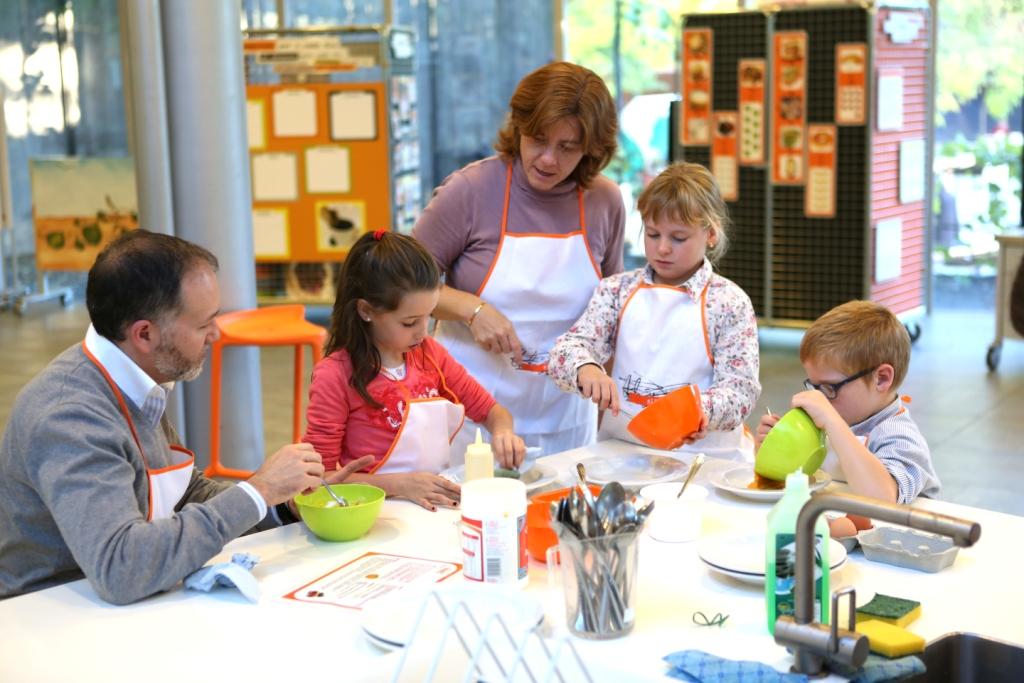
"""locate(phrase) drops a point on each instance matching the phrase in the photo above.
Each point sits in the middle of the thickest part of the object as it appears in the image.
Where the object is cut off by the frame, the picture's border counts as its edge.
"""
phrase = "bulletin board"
(319, 165)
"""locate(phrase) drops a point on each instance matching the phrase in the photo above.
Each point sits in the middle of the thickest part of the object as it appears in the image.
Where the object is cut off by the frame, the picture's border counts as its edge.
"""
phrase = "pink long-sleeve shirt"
(342, 426)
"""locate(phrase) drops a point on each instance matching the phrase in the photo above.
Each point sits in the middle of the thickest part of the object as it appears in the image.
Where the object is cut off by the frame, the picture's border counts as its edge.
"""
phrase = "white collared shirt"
(143, 391)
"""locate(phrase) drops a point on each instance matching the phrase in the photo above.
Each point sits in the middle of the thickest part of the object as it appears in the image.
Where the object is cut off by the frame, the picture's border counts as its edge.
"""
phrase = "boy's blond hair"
(688, 193)
(856, 336)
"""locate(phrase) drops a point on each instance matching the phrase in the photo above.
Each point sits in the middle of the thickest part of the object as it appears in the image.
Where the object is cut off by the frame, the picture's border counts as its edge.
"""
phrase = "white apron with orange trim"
(423, 441)
(657, 350)
(542, 283)
(168, 484)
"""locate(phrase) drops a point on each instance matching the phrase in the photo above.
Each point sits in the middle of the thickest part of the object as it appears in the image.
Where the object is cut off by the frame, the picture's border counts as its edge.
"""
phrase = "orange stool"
(270, 326)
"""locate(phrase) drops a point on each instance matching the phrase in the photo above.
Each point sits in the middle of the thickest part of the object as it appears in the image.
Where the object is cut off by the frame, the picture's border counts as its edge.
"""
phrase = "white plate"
(390, 621)
(634, 470)
(735, 481)
(533, 474)
(742, 557)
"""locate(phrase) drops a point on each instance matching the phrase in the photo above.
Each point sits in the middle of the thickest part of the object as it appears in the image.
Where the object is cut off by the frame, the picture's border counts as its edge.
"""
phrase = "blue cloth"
(877, 669)
(233, 574)
(700, 667)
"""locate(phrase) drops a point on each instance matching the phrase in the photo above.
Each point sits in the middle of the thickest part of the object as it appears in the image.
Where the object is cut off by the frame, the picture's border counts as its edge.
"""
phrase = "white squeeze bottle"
(780, 554)
(479, 459)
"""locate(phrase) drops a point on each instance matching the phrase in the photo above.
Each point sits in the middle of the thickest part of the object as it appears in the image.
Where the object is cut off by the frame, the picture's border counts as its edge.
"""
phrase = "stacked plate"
(742, 557)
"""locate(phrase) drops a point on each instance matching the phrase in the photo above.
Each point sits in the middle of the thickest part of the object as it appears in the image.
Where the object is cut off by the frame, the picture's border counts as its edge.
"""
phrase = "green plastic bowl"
(795, 442)
(333, 523)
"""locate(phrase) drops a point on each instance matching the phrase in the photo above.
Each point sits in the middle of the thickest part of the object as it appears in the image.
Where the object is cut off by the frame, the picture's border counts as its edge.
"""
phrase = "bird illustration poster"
(78, 205)
(339, 224)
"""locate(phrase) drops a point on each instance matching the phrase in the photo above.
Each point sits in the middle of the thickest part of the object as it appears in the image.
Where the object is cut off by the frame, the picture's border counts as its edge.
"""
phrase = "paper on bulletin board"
(327, 170)
(697, 82)
(270, 233)
(274, 177)
(294, 113)
(851, 83)
(353, 115)
(339, 223)
(888, 249)
(371, 576)
(912, 167)
(724, 165)
(890, 99)
(789, 100)
(820, 192)
(256, 120)
(751, 96)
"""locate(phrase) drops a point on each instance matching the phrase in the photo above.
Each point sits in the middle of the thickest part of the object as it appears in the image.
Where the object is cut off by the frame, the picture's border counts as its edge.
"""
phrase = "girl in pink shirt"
(386, 388)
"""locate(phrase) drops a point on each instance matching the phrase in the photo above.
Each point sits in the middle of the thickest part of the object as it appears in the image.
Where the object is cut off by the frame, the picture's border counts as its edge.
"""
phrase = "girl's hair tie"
(379, 234)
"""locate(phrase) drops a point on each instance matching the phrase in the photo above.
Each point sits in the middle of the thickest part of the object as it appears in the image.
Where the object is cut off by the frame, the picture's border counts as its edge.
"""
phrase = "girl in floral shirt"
(388, 389)
(673, 322)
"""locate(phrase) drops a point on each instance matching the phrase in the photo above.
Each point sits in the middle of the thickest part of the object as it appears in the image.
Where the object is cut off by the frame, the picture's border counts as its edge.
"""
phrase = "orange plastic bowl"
(539, 534)
(669, 421)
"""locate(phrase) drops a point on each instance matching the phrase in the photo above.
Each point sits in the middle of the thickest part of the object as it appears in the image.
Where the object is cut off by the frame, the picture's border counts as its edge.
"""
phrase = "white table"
(67, 633)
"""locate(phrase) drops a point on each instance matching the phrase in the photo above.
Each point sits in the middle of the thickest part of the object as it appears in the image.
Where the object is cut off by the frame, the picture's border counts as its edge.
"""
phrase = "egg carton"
(907, 548)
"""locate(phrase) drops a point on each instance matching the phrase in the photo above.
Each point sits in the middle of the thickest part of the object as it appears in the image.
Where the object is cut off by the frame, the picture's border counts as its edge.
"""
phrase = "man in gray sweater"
(92, 479)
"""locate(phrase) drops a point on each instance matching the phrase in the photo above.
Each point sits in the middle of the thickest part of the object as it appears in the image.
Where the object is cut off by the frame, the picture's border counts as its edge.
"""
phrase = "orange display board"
(319, 167)
(789, 110)
(697, 82)
(851, 83)
(723, 154)
(751, 96)
(820, 195)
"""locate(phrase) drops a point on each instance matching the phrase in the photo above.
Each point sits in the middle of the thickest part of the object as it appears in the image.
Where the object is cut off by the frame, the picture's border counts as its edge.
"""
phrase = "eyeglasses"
(831, 390)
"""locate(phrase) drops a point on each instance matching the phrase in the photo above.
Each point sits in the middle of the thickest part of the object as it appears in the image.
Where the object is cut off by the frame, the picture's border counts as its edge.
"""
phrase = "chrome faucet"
(814, 644)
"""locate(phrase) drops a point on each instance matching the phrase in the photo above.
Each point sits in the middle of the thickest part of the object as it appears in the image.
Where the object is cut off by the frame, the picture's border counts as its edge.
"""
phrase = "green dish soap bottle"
(780, 554)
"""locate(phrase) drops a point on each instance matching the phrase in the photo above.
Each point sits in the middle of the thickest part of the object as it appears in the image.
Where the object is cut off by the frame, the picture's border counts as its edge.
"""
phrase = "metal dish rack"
(491, 650)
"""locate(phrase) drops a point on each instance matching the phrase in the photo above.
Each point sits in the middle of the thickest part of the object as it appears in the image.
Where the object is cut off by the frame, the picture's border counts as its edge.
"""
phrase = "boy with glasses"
(856, 357)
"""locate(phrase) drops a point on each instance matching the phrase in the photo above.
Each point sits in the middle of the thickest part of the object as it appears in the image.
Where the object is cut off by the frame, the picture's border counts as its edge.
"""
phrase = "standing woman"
(523, 238)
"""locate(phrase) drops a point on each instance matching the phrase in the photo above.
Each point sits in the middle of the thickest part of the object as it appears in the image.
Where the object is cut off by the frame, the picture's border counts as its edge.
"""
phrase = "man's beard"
(174, 366)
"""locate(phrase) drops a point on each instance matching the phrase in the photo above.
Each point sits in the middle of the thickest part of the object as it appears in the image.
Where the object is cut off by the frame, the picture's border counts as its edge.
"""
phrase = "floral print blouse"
(732, 332)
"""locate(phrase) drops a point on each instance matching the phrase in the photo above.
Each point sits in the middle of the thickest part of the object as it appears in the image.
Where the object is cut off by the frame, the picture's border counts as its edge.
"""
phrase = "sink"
(970, 658)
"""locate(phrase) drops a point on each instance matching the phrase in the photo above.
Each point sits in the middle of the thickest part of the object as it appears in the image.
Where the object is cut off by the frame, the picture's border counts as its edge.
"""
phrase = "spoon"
(697, 462)
(587, 493)
(338, 498)
(609, 505)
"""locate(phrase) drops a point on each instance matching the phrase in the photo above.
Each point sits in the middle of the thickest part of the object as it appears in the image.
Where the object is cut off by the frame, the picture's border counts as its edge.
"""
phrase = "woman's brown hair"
(381, 268)
(556, 91)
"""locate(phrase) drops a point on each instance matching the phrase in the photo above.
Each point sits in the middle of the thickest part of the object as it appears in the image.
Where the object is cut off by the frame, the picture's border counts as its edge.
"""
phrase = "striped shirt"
(893, 437)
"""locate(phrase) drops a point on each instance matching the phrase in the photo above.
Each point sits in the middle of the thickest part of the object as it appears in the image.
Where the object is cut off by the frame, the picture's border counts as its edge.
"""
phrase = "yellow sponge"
(889, 640)
(895, 611)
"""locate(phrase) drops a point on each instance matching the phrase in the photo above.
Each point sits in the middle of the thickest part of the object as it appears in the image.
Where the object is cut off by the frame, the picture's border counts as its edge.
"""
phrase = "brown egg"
(841, 527)
(861, 523)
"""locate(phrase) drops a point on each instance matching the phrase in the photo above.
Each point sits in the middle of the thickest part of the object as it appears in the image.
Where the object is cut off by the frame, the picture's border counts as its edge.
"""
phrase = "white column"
(212, 201)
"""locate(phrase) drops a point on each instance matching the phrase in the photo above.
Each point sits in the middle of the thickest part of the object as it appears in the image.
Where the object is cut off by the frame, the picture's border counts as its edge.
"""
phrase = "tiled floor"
(973, 419)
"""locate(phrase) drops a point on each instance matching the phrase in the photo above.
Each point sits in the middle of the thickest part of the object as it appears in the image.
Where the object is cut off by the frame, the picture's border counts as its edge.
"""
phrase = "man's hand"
(342, 473)
(596, 385)
(291, 470)
(495, 333)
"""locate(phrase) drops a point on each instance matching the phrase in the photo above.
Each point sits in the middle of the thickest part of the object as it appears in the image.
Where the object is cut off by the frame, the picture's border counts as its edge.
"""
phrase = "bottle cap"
(797, 481)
